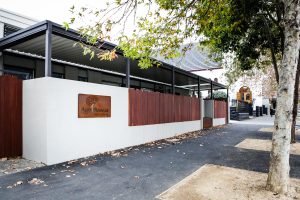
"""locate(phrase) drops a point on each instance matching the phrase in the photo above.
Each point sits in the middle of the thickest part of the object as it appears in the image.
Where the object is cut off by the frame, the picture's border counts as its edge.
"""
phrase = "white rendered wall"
(219, 121)
(53, 133)
(35, 120)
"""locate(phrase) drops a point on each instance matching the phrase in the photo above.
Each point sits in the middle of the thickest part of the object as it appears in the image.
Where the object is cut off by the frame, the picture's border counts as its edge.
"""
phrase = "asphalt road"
(146, 171)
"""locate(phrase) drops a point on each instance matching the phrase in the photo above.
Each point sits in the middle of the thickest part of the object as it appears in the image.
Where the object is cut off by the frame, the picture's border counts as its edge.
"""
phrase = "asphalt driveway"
(143, 172)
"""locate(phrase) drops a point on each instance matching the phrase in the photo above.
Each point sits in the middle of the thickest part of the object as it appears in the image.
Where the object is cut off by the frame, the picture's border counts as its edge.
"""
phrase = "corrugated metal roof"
(195, 59)
(32, 40)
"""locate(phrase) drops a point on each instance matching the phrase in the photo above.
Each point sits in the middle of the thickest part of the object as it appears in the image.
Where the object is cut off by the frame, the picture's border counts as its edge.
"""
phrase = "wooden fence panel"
(156, 108)
(220, 109)
(195, 108)
(10, 116)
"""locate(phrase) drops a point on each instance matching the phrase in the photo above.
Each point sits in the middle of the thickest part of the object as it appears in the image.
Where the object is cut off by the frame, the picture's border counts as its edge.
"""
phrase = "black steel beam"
(128, 73)
(48, 50)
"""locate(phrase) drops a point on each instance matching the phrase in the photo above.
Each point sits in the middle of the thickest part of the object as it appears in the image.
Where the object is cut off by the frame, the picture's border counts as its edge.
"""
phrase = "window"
(21, 73)
(81, 78)
(58, 75)
(9, 29)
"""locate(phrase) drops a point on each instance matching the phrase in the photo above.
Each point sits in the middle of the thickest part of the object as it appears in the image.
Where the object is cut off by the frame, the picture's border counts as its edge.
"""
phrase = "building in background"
(11, 22)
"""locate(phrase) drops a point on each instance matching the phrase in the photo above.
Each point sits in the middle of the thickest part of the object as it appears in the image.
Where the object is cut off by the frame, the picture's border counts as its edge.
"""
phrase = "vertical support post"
(199, 92)
(211, 90)
(48, 50)
(200, 104)
(128, 73)
(228, 107)
(173, 80)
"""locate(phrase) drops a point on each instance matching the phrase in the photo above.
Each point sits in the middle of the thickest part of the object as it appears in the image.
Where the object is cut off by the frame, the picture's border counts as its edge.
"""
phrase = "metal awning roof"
(194, 59)
(31, 42)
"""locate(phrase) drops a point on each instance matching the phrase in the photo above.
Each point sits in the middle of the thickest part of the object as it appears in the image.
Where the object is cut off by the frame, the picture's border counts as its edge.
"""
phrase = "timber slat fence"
(147, 108)
(10, 116)
(220, 109)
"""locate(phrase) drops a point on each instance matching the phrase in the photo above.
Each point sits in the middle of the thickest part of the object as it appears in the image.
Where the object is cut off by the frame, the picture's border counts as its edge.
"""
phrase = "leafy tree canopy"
(248, 29)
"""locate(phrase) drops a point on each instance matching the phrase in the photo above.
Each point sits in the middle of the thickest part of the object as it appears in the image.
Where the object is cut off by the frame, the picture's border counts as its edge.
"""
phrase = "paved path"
(146, 171)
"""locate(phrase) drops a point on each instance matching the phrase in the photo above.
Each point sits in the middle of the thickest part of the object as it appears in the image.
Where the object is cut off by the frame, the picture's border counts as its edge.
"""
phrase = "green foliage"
(219, 95)
(249, 29)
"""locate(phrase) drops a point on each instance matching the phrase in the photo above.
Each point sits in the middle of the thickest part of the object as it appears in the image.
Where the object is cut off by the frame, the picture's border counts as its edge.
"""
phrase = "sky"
(54, 10)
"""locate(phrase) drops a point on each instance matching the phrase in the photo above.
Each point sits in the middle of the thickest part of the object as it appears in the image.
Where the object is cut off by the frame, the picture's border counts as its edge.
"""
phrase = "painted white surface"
(209, 108)
(35, 120)
(219, 121)
(53, 133)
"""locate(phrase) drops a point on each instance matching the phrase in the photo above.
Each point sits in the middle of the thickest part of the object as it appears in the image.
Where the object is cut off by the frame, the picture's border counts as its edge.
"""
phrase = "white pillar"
(1, 30)
(202, 112)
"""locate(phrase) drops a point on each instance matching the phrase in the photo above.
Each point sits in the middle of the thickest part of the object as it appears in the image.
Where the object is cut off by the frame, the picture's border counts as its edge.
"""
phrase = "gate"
(10, 116)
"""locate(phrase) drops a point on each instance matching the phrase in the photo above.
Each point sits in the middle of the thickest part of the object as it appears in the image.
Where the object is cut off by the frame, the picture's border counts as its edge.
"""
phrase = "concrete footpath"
(145, 171)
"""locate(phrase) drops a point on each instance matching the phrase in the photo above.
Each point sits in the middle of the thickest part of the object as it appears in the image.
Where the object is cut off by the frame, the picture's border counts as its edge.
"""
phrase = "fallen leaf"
(35, 181)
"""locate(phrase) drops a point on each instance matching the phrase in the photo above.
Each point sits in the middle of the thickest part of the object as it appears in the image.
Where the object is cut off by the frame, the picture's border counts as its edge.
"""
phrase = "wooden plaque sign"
(92, 106)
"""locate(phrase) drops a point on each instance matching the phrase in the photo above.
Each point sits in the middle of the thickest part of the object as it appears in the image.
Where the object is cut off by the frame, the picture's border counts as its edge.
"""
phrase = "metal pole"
(227, 94)
(128, 73)
(199, 98)
(227, 108)
(211, 90)
(48, 50)
(199, 93)
(173, 80)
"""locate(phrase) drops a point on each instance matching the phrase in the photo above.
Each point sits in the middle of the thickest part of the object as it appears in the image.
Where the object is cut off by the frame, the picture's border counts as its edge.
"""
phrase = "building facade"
(123, 105)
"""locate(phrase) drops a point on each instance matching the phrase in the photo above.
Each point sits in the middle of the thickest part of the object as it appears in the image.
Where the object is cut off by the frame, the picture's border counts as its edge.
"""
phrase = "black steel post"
(128, 73)
(199, 92)
(211, 90)
(227, 94)
(173, 80)
(199, 97)
(48, 50)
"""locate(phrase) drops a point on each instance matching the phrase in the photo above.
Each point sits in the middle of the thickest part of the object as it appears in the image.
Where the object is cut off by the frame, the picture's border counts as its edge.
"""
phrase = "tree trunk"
(278, 177)
(295, 104)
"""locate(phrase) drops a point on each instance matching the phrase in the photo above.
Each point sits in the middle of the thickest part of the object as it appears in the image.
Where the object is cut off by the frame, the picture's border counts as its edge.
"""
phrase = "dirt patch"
(212, 182)
(265, 145)
(13, 165)
(271, 129)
